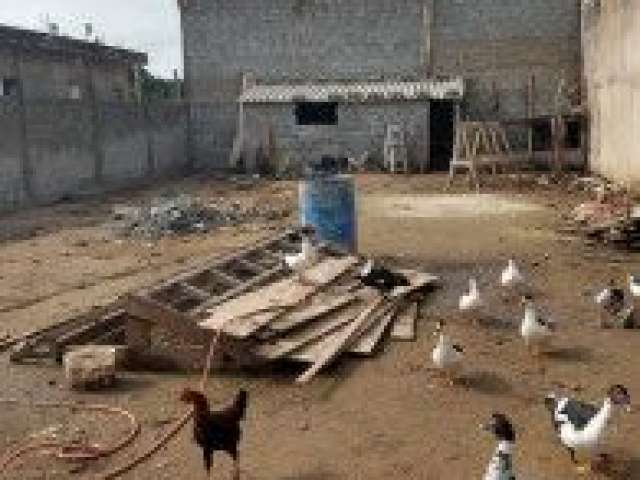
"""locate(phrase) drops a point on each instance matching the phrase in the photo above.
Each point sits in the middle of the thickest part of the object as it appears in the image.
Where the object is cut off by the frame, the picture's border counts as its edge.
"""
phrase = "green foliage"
(154, 88)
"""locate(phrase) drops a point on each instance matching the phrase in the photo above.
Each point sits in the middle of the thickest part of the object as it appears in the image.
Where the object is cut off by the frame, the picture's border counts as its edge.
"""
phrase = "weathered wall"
(496, 44)
(61, 147)
(47, 77)
(11, 191)
(612, 72)
(360, 128)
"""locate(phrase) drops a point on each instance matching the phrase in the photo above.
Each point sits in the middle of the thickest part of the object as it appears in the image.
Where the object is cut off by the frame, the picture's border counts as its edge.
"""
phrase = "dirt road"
(386, 418)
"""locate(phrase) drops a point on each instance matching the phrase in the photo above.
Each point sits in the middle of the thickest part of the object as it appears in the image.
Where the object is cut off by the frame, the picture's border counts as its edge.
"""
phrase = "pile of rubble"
(184, 214)
(610, 219)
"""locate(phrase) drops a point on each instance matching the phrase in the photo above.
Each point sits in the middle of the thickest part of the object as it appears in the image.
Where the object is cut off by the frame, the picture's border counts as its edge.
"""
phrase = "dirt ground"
(384, 418)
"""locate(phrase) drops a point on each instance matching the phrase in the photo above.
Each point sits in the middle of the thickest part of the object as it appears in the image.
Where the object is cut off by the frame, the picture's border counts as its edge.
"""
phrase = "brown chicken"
(217, 431)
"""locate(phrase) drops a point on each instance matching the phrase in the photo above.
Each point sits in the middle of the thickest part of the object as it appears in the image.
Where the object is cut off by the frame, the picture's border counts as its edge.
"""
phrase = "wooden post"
(427, 33)
(25, 156)
(425, 157)
(530, 114)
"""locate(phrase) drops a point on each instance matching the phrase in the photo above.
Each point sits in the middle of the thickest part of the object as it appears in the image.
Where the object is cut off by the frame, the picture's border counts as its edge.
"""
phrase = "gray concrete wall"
(612, 72)
(496, 44)
(11, 187)
(77, 146)
(360, 128)
(46, 77)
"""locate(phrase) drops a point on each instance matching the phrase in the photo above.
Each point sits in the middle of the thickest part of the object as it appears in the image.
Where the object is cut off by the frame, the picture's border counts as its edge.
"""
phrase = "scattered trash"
(185, 214)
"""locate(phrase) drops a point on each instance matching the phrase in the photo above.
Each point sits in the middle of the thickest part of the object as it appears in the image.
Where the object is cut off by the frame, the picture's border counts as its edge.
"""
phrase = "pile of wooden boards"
(316, 320)
(610, 223)
(264, 314)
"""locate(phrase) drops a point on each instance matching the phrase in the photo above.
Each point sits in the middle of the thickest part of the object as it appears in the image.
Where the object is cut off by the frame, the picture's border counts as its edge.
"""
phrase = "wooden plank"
(194, 291)
(342, 340)
(404, 327)
(239, 290)
(151, 310)
(312, 312)
(365, 319)
(252, 267)
(215, 261)
(235, 317)
(317, 330)
(225, 277)
(366, 344)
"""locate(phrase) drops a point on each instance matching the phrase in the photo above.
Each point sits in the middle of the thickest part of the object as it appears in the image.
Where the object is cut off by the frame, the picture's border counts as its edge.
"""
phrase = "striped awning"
(355, 92)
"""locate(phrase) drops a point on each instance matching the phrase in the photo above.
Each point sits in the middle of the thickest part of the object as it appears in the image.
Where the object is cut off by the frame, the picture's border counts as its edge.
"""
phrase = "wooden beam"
(194, 291)
(225, 277)
(151, 310)
(311, 312)
(368, 341)
(237, 315)
(354, 329)
(249, 265)
(300, 338)
(404, 327)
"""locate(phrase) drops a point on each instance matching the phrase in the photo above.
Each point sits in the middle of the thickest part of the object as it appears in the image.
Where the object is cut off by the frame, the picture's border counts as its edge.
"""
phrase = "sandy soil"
(384, 418)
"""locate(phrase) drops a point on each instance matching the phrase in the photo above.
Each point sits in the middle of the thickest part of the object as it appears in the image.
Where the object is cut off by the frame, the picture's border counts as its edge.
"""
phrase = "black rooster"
(217, 431)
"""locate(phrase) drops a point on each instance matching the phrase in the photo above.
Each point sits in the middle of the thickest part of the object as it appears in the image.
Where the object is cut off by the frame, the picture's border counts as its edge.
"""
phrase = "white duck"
(582, 427)
(535, 330)
(501, 464)
(634, 286)
(471, 301)
(511, 275)
(447, 356)
(300, 262)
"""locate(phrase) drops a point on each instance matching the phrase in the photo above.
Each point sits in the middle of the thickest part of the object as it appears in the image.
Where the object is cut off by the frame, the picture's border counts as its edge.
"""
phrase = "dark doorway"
(441, 134)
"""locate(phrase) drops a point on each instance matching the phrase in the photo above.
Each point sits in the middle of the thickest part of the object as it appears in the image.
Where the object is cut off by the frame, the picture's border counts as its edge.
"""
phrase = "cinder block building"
(329, 76)
(50, 66)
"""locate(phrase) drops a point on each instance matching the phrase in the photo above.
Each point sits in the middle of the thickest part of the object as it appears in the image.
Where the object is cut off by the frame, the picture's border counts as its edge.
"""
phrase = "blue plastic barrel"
(328, 203)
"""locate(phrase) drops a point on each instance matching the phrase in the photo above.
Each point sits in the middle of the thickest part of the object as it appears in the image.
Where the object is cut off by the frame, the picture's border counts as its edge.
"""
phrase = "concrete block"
(91, 367)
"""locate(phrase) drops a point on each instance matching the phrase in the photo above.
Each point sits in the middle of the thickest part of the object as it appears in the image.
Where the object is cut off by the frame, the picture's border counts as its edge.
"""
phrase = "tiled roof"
(355, 92)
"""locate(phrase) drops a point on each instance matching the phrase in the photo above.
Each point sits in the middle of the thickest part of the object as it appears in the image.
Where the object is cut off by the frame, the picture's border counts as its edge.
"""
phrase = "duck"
(307, 257)
(381, 278)
(634, 286)
(535, 330)
(500, 466)
(471, 301)
(611, 302)
(511, 275)
(582, 427)
(447, 356)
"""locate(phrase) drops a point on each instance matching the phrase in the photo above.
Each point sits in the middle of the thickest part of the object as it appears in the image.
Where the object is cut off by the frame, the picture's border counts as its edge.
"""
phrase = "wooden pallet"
(211, 282)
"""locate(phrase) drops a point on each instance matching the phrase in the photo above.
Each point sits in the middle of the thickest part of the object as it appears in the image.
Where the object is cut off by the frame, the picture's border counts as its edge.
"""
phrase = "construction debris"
(610, 219)
(185, 214)
(90, 367)
(262, 312)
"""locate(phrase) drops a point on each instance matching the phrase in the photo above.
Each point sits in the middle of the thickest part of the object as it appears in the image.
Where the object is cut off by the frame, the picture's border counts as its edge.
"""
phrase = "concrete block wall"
(496, 44)
(73, 146)
(612, 72)
(11, 185)
(124, 139)
(285, 40)
(360, 128)
(59, 148)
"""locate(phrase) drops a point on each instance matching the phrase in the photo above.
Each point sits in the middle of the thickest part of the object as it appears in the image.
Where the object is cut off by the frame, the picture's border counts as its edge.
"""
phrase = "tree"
(154, 88)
